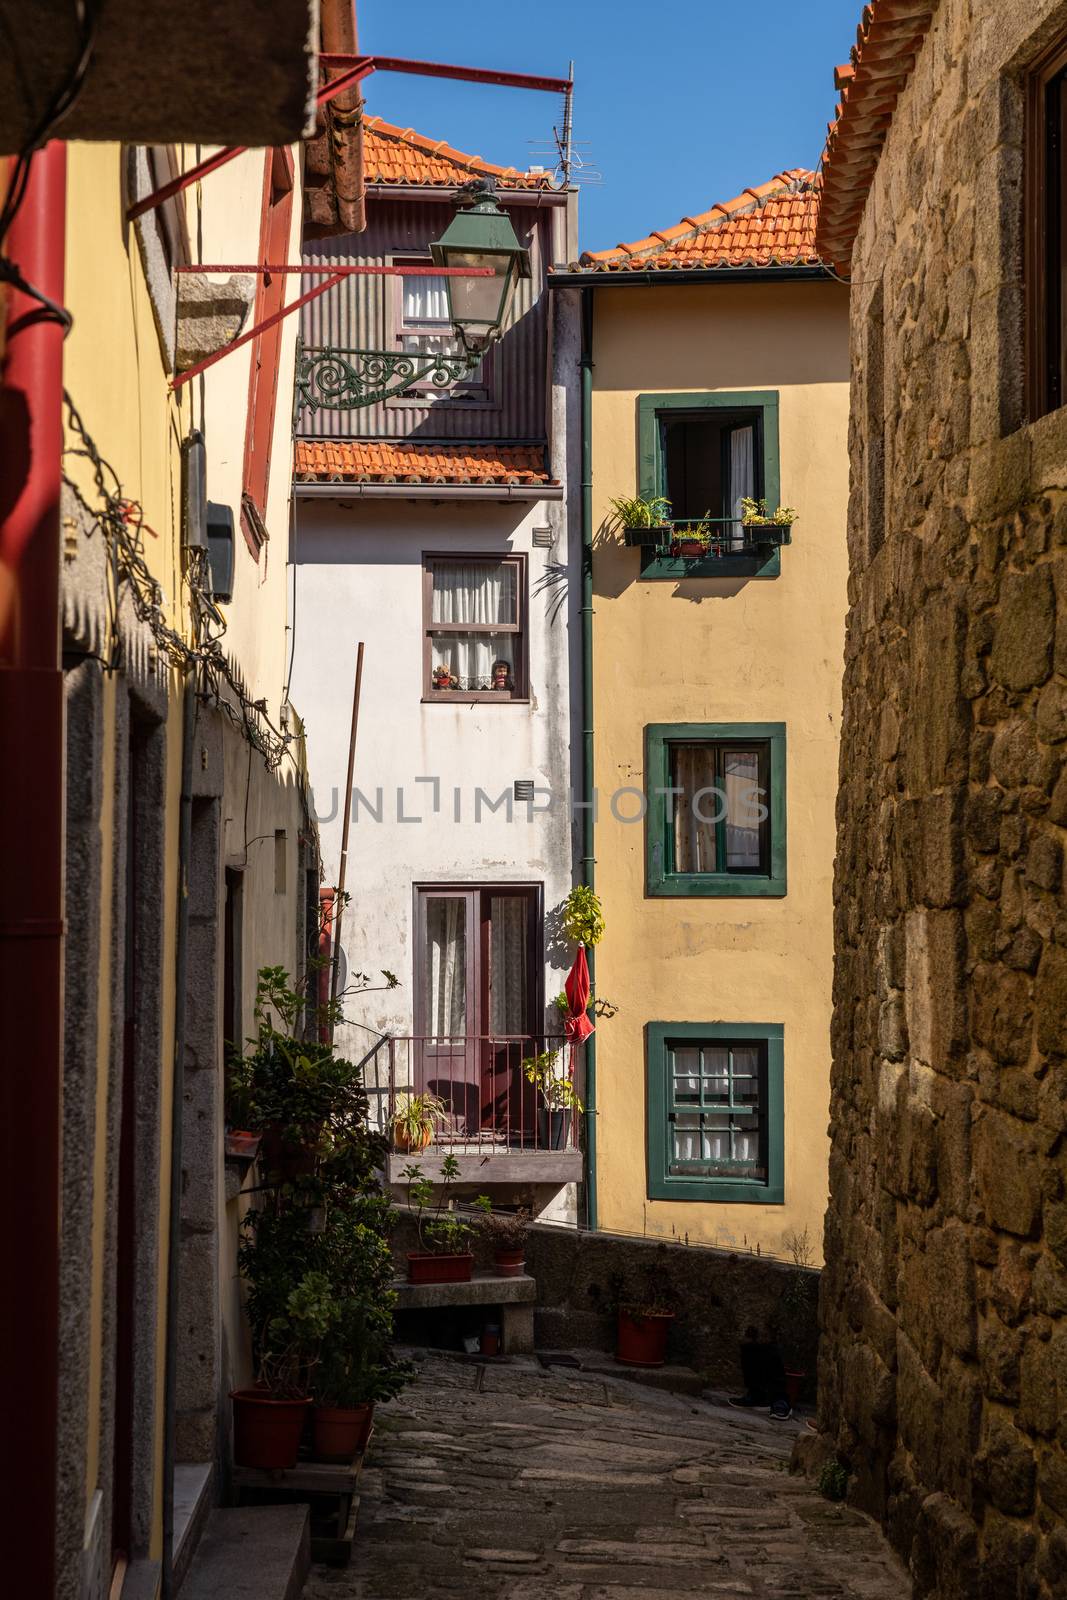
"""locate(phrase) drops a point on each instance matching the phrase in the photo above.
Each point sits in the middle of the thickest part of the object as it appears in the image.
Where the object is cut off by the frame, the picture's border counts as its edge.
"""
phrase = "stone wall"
(719, 1295)
(943, 1369)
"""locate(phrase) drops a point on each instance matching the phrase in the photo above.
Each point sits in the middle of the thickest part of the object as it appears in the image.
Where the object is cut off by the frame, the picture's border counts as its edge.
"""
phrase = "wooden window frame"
(660, 879)
(274, 235)
(477, 896)
(661, 1183)
(520, 695)
(1045, 242)
(480, 396)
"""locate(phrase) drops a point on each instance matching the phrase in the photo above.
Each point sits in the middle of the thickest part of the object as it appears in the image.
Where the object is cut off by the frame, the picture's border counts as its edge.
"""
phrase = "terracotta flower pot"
(341, 1432)
(689, 549)
(794, 1385)
(266, 1431)
(510, 1263)
(642, 1338)
(408, 1144)
(426, 1268)
(490, 1340)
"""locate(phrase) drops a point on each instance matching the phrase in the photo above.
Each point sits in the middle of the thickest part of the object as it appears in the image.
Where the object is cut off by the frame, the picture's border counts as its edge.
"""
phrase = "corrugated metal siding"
(354, 316)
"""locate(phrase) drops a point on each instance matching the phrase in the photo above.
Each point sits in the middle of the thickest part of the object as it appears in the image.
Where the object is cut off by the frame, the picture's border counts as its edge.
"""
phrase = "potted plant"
(444, 1254)
(269, 1419)
(642, 521)
(641, 1340)
(415, 1121)
(506, 1231)
(582, 917)
(770, 526)
(295, 1092)
(559, 1096)
(691, 541)
(348, 1385)
(644, 1317)
(796, 1315)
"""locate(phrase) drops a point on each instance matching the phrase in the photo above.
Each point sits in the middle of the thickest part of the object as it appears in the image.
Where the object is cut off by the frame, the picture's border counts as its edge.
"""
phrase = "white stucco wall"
(359, 576)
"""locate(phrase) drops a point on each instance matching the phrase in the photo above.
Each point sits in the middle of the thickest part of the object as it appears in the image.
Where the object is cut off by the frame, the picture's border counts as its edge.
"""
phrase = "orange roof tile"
(771, 225)
(400, 155)
(400, 461)
(888, 40)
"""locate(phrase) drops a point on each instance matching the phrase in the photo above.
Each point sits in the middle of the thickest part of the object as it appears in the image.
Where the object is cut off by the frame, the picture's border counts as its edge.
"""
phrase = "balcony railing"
(488, 1105)
(719, 537)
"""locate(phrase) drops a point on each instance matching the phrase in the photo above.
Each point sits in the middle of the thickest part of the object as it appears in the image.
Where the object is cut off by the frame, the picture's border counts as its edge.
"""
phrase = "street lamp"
(481, 235)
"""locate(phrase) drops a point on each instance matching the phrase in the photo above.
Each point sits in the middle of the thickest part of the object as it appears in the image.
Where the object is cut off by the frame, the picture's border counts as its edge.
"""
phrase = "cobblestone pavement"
(509, 1482)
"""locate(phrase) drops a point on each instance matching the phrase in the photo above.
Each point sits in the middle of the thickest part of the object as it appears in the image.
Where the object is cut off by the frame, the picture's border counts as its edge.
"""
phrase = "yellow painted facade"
(117, 377)
(727, 650)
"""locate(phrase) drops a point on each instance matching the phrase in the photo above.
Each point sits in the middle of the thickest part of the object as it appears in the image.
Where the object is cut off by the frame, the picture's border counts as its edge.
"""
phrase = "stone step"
(251, 1553)
(674, 1379)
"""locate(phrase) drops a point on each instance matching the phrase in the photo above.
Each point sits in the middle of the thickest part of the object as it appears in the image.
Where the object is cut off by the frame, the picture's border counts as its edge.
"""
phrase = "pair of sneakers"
(780, 1409)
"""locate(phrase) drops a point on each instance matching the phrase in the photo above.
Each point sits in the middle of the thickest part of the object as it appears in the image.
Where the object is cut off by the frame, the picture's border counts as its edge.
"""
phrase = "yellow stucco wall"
(728, 650)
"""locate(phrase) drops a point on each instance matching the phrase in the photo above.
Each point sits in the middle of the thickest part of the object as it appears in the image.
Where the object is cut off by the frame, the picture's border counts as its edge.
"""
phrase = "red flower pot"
(689, 549)
(426, 1268)
(490, 1341)
(266, 1432)
(341, 1432)
(510, 1263)
(642, 1338)
(794, 1385)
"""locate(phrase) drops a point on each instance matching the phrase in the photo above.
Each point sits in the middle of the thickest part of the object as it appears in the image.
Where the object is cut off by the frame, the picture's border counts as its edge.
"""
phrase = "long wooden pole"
(342, 871)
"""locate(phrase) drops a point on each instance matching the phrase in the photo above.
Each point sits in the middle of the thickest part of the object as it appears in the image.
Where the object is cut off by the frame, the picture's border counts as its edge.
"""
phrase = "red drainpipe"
(31, 883)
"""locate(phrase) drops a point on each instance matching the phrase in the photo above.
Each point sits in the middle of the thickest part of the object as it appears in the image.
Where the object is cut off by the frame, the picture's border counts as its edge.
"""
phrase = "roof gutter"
(684, 275)
(501, 492)
(446, 193)
(343, 117)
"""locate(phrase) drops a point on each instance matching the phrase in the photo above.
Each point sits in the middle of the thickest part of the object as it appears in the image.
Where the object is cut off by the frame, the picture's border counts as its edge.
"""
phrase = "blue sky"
(681, 102)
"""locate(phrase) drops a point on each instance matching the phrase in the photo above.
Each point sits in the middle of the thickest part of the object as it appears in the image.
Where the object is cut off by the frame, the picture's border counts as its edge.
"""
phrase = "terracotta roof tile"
(772, 224)
(402, 156)
(888, 40)
(401, 461)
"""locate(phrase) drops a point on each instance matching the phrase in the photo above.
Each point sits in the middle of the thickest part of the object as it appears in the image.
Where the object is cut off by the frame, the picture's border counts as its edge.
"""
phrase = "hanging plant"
(583, 917)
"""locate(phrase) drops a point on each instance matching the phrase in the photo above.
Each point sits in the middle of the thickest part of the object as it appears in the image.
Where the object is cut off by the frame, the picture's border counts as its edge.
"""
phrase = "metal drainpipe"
(170, 1374)
(31, 885)
(588, 859)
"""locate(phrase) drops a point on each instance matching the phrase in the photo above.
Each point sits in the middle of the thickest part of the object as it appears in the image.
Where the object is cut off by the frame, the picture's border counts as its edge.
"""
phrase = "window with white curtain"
(423, 326)
(475, 627)
(711, 460)
(720, 807)
(716, 1109)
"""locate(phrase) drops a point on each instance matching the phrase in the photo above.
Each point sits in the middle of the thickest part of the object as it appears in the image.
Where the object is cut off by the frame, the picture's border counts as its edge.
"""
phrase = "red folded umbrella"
(578, 1026)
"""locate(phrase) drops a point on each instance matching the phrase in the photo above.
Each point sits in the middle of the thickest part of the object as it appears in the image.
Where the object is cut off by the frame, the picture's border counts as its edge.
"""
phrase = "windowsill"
(719, 1193)
(693, 885)
(674, 569)
(458, 697)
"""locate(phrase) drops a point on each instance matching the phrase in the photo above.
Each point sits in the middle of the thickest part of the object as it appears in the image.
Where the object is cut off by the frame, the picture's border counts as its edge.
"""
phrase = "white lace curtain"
(508, 1011)
(742, 474)
(446, 965)
(479, 592)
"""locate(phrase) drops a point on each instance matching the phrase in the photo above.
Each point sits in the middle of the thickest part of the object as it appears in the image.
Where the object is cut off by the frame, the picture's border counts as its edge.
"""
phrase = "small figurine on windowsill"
(502, 678)
(443, 677)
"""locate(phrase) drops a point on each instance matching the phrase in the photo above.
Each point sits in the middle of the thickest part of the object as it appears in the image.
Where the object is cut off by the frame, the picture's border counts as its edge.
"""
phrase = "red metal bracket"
(360, 67)
(334, 276)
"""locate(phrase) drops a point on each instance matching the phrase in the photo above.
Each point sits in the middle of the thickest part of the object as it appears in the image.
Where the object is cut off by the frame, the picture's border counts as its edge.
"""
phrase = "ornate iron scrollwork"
(329, 379)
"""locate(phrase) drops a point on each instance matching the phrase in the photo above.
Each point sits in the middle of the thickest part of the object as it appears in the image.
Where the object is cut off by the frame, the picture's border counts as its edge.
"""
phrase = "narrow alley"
(511, 1482)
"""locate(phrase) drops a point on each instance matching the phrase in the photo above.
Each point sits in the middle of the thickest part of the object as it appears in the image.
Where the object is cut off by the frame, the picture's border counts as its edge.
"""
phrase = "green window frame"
(711, 1113)
(660, 876)
(652, 479)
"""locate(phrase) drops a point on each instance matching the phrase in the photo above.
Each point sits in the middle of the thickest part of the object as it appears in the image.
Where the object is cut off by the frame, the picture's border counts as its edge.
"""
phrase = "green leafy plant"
(582, 918)
(832, 1482)
(441, 1229)
(505, 1230)
(640, 513)
(415, 1117)
(294, 1336)
(754, 512)
(796, 1306)
(555, 1088)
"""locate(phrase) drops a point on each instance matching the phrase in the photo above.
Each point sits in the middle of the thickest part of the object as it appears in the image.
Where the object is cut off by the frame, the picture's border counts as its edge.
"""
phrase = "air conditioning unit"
(194, 491)
(220, 550)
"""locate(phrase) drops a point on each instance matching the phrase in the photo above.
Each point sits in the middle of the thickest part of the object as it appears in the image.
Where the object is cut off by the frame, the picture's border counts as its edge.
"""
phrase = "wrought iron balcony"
(718, 538)
(496, 1123)
(332, 378)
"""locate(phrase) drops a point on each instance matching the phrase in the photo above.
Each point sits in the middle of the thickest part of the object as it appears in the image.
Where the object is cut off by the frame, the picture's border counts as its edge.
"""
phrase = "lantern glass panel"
(479, 303)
